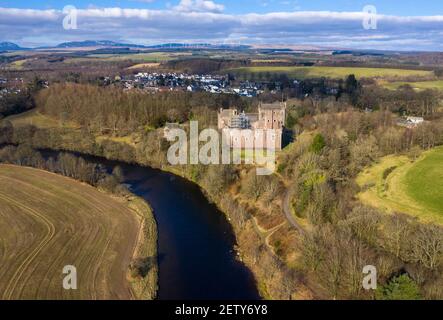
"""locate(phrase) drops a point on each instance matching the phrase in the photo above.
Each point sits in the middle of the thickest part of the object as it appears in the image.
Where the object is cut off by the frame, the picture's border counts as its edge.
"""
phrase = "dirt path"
(286, 205)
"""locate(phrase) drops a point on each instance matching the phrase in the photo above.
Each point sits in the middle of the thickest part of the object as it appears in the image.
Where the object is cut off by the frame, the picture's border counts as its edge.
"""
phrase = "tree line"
(118, 112)
(66, 164)
(15, 102)
(345, 235)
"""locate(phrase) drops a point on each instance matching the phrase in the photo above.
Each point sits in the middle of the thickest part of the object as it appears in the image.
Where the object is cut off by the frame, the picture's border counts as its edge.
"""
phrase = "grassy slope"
(412, 187)
(425, 181)
(144, 65)
(33, 117)
(41, 121)
(146, 288)
(18, 65)
(49, 221)
(333, 72)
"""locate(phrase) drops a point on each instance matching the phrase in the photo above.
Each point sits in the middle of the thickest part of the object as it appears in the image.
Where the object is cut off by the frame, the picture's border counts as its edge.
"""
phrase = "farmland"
(424, 181)
(151, 57)
(397, 184)
(18, 65)
(48, 222)
(332, 72)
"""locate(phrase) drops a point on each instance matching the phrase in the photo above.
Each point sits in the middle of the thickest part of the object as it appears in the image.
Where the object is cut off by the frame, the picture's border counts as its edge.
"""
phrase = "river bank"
(274, 279)
(145, 288)
(196, 243)
(99, 232)
(251, 246)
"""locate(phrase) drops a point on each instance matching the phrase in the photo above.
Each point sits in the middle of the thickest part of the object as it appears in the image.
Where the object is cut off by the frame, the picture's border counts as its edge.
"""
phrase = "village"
(8, 87)
(160, 82)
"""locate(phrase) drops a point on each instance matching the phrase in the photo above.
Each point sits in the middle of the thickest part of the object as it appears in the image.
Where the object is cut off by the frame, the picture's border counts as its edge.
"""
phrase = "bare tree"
(427, 246)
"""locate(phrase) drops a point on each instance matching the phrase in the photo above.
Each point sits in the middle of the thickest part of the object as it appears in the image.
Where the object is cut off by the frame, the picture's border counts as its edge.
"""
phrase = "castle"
(246, 130)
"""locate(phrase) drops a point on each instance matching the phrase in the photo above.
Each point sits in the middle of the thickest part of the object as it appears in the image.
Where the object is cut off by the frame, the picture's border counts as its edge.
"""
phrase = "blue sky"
(402, 24)
(392, 7)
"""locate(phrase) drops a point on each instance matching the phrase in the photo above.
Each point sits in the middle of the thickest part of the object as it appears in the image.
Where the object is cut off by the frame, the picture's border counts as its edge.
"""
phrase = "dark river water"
(195, 243)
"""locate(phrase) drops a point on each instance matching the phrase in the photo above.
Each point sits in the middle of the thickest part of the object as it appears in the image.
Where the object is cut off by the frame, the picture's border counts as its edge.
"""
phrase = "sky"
(397, 24)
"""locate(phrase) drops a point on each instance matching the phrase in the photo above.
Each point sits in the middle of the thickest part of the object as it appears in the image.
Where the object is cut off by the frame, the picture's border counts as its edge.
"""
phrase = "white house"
(410, 122)
(415, 120)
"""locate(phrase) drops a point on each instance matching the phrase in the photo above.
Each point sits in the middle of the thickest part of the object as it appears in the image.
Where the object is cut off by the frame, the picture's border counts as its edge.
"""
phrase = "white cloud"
(203, 21)
(199, 6)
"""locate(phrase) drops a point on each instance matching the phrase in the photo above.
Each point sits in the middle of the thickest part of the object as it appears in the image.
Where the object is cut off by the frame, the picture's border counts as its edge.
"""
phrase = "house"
(415, 120)
(244, 130)
(410, 122)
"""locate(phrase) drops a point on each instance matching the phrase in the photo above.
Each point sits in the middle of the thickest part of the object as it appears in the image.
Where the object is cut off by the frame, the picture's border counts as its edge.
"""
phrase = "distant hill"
(109, 44)
(113, 44)
(196, 46)
(359, 52)
(98, 43)
(9, 46)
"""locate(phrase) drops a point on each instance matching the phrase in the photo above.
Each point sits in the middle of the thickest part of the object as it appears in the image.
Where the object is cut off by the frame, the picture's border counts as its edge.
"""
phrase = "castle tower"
(272, 116)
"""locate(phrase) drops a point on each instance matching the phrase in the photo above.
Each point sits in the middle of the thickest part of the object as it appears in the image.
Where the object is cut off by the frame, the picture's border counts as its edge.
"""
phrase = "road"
(286, 205)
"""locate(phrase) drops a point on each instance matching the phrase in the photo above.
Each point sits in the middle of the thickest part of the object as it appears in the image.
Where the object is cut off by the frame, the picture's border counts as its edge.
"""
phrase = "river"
(196, 259)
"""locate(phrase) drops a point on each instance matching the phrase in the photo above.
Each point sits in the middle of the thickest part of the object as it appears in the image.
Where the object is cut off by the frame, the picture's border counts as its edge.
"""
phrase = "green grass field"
(35, 118)
(332, 72)
(144, 57)
(424, 181)
(153, 57)
(18, 65)
(41, 121)
(419, 86)
(18, 53)
(397, 184)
